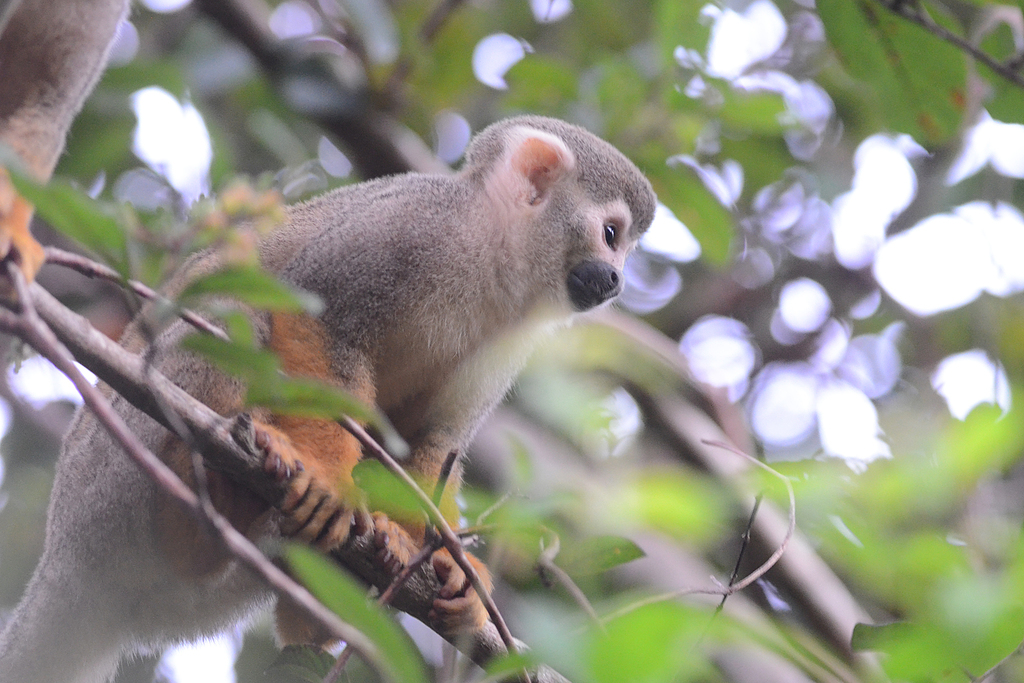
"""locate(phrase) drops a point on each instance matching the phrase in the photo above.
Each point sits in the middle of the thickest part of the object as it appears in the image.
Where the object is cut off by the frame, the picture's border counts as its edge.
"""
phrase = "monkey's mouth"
(592, 283)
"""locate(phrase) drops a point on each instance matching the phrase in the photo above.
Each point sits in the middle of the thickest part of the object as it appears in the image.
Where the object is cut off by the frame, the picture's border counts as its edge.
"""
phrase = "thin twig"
(913, 14)
(753, 576)
(30, 327)
(546, 563)
(90, 268)
(744, 543)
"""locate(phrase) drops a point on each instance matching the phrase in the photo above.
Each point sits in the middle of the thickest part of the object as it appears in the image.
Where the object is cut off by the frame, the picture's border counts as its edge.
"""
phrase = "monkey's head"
(582, 198)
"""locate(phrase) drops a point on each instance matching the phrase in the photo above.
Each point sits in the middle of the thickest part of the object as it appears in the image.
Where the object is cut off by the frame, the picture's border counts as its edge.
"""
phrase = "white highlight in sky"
(949, 259)
(726, 184)
(550, 11)
(38, 382)
(739, 41)
(333, 159)
(848, 425)
(494, 55)
(1002, 226)
(720, 353)
(968, 379)
(293, 20)
(669, 237)
(172, 139)
(783, 410)
(990, 142)
(452, 131)
(165, 6)
(206, 660)
(884, 184)
(804, 305)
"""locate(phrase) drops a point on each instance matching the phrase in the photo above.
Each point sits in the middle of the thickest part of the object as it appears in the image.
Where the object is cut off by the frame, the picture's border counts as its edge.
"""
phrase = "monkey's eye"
(610, 231)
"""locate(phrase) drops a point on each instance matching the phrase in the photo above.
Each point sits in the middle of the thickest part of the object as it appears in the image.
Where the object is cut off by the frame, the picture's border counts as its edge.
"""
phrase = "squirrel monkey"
(436, 288)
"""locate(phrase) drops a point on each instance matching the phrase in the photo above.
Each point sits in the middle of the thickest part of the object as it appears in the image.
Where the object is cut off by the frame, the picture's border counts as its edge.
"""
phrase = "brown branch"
(228, 445)
(33, 330)
(438, 18)
(377, 143)
(913, 13)
(95, 269)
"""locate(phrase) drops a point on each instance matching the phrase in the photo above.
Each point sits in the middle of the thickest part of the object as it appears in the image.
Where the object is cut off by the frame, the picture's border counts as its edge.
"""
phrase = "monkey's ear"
(542, 160)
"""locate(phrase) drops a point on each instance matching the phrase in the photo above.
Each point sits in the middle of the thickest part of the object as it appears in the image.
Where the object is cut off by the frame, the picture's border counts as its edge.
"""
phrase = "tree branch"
(90, 268)
(379, 145)
(31, 328)
(913, 13)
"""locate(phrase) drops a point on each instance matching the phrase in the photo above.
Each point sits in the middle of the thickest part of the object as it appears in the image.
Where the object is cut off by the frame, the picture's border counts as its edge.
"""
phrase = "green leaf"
(255, 287)
(871, 637)
(234, 358)
(917, 80)
(313, 398)
(346, 598)
(657, 643)
(697, 208)
(598, 554)
(507, 667)
(71, 211)
(295, 664)
(682, 506)
(387, 493)
(752, 112)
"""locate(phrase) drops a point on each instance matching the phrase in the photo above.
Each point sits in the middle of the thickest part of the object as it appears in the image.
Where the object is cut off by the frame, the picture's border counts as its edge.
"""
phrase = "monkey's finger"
(300, 496)
(454, 581)
(312, 513)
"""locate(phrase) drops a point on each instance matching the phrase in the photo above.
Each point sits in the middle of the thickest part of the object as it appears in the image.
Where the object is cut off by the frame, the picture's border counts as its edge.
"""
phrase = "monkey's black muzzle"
(591, 283)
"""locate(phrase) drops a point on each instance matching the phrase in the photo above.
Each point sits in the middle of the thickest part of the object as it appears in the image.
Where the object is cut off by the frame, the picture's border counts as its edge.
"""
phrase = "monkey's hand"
(16, 242)
(315, 511)
(458, 609)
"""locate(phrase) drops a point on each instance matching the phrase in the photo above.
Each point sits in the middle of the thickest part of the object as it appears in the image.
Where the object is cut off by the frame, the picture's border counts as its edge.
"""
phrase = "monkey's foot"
(16, 242)
(458, 609)
(314, 512)
(395, 547)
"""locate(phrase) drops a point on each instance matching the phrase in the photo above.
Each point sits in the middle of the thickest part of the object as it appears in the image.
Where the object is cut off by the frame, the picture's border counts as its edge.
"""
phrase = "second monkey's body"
(435, 289)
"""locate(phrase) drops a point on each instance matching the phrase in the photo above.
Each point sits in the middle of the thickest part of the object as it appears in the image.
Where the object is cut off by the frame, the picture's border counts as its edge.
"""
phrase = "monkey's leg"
(16, 241)
(51, 58)
(316, 458)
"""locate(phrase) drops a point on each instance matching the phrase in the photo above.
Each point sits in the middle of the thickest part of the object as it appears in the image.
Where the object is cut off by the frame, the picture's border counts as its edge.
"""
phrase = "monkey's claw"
(313, 509)
(279, 457)
(395, 547)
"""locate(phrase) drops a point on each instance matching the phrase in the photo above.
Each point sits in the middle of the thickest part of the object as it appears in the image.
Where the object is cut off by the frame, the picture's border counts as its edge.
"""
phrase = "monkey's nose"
(591, 283)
